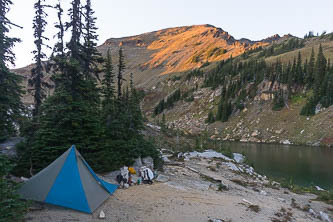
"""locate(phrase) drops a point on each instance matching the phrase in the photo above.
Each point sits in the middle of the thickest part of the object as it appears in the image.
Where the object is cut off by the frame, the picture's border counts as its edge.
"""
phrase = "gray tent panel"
(38, 186)
(95, 193)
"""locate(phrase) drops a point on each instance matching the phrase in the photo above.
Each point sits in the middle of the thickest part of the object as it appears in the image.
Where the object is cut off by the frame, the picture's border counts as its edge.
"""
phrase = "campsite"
(192, 191)
(185, 111)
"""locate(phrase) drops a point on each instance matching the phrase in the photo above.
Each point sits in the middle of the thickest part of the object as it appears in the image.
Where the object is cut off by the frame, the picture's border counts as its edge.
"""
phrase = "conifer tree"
(210, 118)
(58, 57)
(329, 90)
(286, 73)
(292, 77)
(298, 71)
(37, 73)
(108, 89)
(136, 119)
(121, 68)
(70, 115)
(319, 71)
(310, 69)
(163, 124)
(108, 94)
(92, 57)
(11, 106)
(278, 102)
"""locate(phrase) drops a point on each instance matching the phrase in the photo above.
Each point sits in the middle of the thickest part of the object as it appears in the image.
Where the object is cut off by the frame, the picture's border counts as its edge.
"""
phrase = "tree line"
(240, 80)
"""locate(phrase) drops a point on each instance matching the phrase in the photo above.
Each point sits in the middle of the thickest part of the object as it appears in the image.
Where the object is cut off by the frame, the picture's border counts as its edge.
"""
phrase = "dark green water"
(305, 165)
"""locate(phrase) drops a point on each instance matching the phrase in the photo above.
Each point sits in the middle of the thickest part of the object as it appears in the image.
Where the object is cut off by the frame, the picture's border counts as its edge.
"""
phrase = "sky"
(252, 19)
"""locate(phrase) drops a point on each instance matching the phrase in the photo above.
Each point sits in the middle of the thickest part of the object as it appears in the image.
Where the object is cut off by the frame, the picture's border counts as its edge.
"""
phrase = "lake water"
(303, 164)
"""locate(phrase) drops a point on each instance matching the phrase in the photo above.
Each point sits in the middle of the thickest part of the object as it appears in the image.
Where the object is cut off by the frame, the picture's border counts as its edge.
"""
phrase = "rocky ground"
(199, 187)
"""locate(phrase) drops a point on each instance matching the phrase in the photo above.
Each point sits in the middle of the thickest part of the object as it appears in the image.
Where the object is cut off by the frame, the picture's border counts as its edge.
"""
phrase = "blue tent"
(68, 182)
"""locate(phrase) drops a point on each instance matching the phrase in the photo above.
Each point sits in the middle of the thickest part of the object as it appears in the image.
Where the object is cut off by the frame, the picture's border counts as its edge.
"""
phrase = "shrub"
(278, 102)
(309, 108)
(11, 207)
(211, 117)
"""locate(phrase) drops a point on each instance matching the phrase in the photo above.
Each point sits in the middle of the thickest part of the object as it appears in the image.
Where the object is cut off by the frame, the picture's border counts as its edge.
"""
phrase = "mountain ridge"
(151, 56)
(183, 48)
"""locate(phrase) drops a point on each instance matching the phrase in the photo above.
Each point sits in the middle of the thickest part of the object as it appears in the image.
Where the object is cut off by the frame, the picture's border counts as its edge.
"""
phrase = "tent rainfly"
(68, 182)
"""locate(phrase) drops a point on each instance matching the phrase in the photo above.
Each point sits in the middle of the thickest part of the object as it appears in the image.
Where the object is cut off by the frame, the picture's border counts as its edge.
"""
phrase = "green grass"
(325, 196)
(297, 99)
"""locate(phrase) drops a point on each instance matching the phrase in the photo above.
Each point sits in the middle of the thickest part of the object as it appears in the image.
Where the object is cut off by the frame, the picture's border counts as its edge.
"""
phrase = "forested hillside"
(283, 78)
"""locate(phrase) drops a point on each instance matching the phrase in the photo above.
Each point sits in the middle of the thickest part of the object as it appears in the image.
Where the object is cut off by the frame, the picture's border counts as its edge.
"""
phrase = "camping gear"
(134, 179)
(124, 172)
(121, 179)
(147, 175)
(131, 170)
(68, 182)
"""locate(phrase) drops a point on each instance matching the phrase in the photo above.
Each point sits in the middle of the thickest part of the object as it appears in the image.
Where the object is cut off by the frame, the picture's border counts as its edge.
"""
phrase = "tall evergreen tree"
(108, 90)
(75, 24)
(292, 77)
(135, 114)
(70, 115)
(37, 73)
(10, 90)
(58, 56)
(121, 68)
(310, 69)
(319, 71)
(91, 56)
(299, 71)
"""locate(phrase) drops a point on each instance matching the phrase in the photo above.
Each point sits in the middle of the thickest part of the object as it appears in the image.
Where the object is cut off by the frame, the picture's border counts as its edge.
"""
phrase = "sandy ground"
(187, 196)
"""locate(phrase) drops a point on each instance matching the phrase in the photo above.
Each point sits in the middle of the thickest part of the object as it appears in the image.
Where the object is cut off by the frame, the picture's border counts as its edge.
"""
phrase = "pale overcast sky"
(253, 19)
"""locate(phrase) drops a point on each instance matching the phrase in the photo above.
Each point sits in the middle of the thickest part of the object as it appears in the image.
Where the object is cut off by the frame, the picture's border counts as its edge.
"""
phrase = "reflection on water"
(305, 165)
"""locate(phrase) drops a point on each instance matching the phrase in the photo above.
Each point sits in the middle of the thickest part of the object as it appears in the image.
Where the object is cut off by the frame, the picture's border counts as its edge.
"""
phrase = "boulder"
(264, 193)
(318, 108)
(255, 133)
(162, 178)
(319, 188)
(324, 217)
(233, 167)
(215, 220)
(166, 159)
(208, 154)
(313, 213)
(244, 140)
(148, 162)
(279, 131)
(138, 163)
(286, 142)
(254, 140)
(239, 158)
